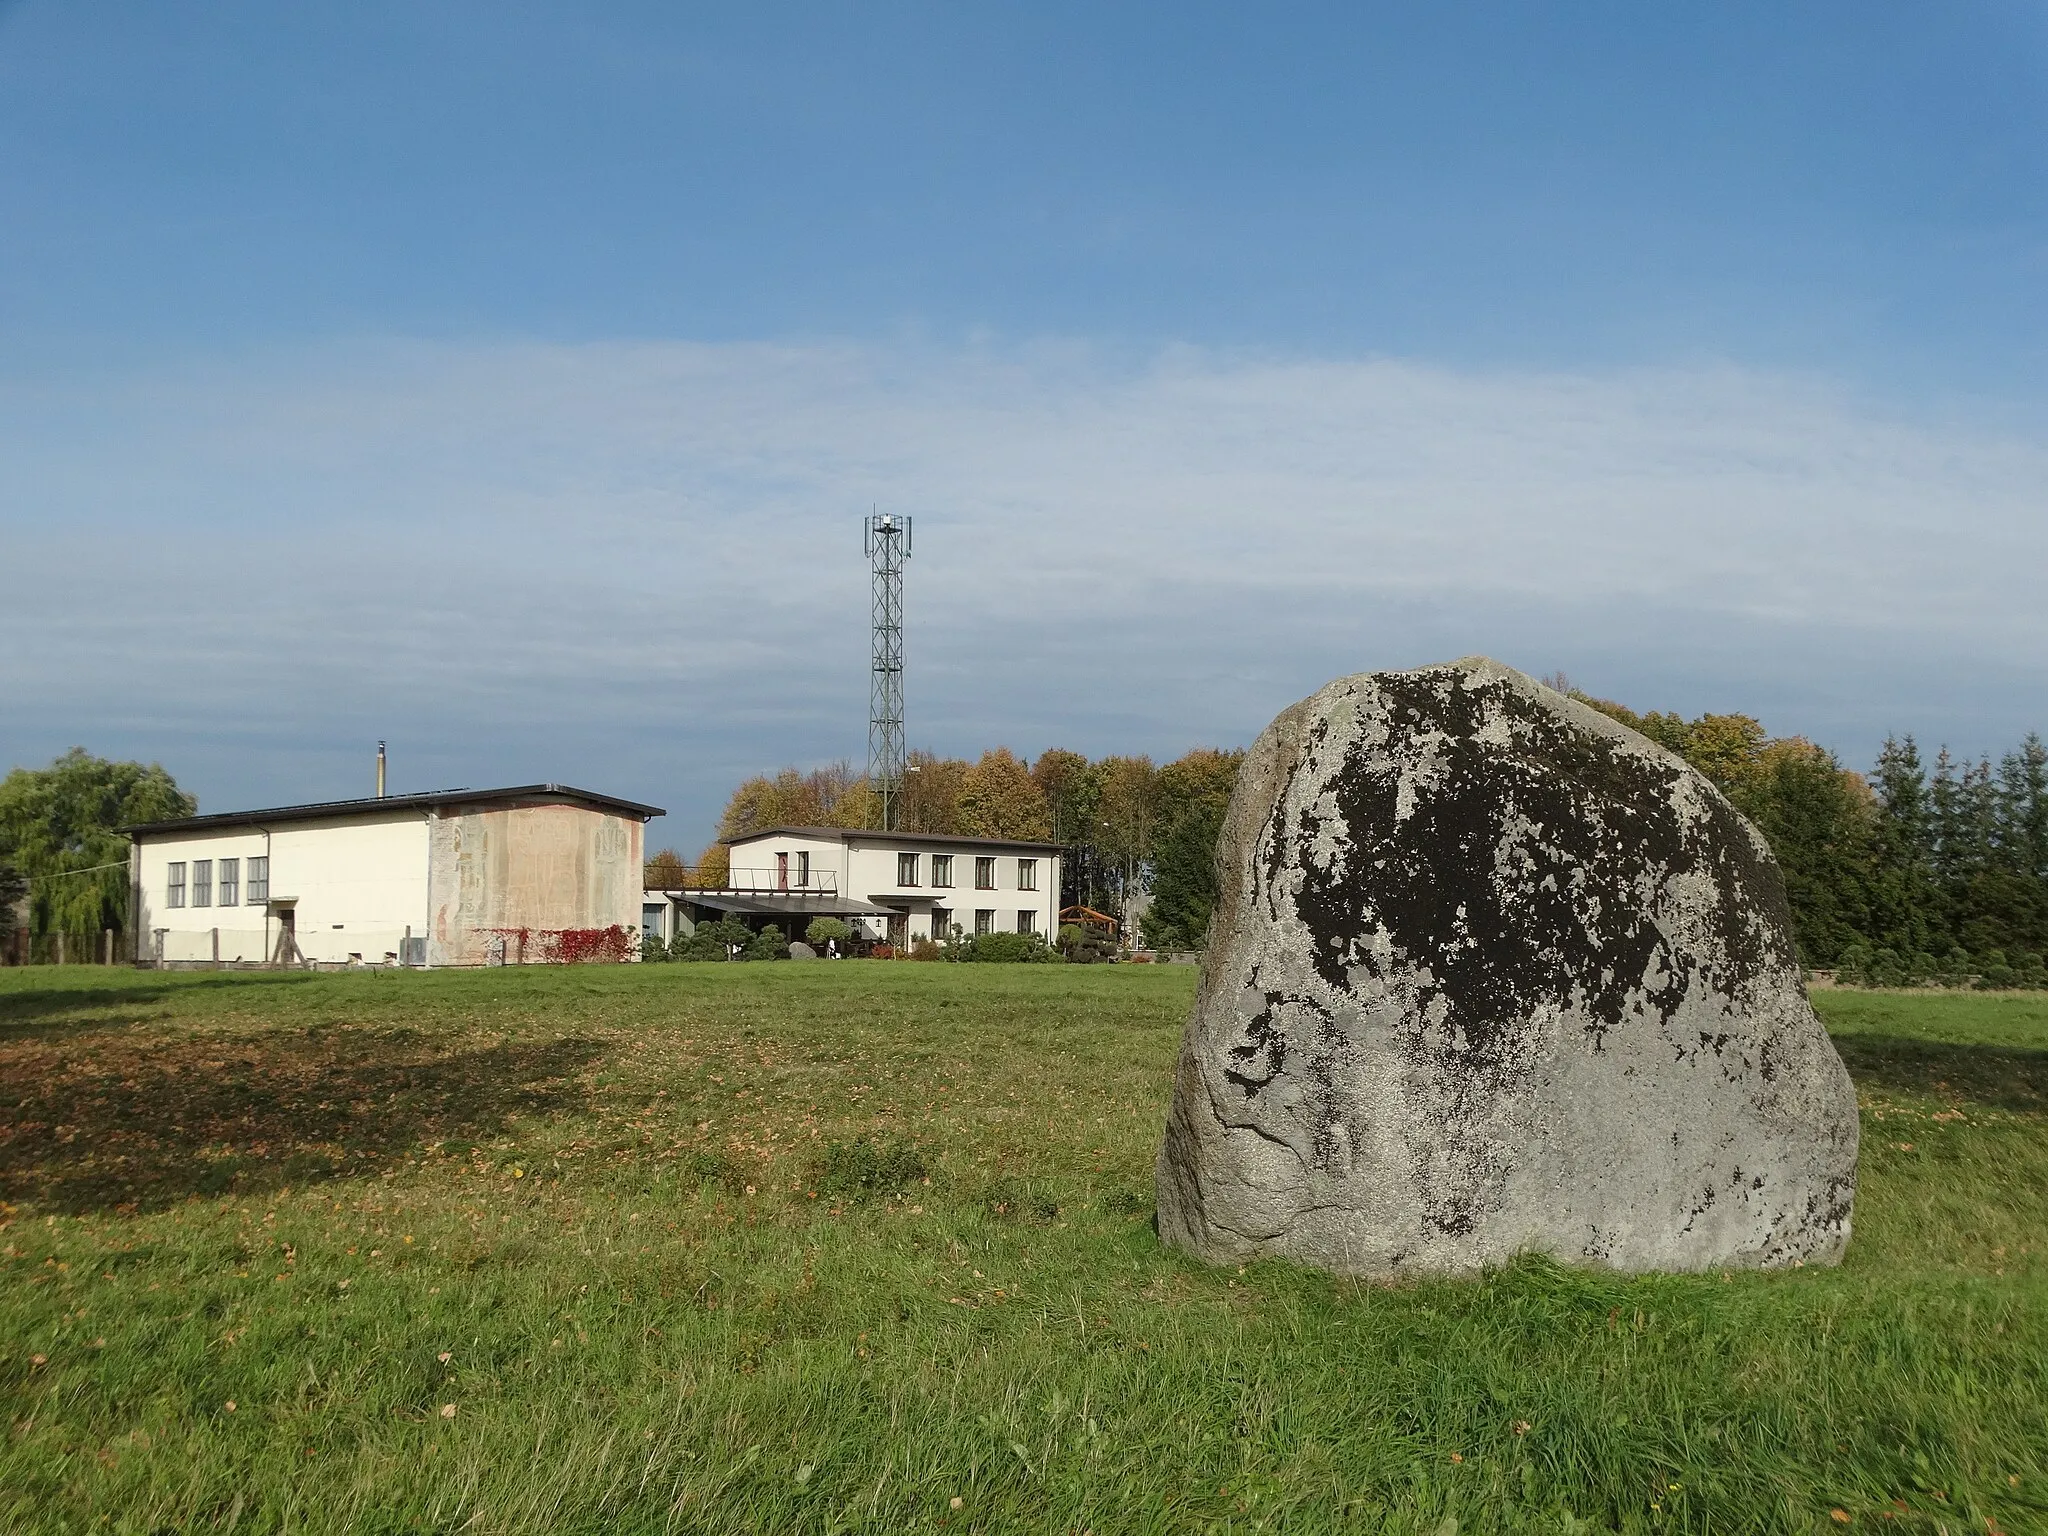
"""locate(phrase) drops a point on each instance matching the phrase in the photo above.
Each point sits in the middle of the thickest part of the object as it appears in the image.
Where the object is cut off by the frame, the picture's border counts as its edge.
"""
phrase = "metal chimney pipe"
(380, 770)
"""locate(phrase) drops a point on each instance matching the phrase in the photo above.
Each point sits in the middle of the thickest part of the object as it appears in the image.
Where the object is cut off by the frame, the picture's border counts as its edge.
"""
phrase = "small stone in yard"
(957, 1502)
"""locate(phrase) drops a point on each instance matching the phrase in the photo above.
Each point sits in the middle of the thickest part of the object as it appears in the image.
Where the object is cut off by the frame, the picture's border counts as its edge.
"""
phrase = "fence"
(107, 947)
(748, 881)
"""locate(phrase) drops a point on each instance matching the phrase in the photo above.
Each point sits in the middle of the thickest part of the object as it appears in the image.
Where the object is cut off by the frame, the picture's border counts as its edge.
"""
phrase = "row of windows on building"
(227, 892)
(984, 872)
(984, 920)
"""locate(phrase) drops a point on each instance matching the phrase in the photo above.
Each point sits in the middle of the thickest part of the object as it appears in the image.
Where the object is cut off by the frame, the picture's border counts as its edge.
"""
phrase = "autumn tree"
(1123, 823)
(1070, 789)
(999, 798)
(832, 796)
(932, 791)
(714, 867)
(665, 871)
(1200, 780)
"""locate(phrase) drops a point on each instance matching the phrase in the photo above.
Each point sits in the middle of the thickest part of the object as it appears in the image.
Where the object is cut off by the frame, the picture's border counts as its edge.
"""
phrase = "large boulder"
(1490, 973)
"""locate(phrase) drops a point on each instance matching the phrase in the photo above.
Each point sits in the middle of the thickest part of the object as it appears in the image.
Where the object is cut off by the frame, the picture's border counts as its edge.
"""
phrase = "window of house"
(1027, 921)
(782, 871)
(906, 869)
(985, 920)
(1027, 874)
(942, 869)
(942, 922)
(259, 881)
(803, 869)
(231, 882)
(202, 882)
(984, 874)
(174, 889)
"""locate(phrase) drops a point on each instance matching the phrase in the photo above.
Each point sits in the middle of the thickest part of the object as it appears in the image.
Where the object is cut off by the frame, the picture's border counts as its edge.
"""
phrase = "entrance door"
(287, 949)
(899, 929)
(782, 871)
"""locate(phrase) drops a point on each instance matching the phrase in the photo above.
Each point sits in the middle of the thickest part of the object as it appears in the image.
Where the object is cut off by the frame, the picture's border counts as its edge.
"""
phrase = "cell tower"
(887, 540)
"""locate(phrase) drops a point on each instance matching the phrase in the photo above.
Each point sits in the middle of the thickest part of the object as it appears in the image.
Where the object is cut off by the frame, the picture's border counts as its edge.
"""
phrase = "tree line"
(1913, 872)
(1916, 871)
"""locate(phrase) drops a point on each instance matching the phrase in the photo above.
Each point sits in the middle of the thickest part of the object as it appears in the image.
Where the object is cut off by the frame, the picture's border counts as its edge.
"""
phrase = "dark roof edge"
(323, 810)
(870, 834)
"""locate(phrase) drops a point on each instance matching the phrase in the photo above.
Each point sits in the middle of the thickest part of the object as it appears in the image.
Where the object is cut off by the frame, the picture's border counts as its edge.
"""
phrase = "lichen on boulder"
(1490, 973)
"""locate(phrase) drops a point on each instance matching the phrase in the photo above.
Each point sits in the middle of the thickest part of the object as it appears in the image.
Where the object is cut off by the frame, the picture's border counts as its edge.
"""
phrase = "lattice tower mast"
(887, 540)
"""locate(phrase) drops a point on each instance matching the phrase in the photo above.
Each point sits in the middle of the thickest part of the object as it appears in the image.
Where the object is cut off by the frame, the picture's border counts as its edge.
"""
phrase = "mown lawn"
(604, 1250)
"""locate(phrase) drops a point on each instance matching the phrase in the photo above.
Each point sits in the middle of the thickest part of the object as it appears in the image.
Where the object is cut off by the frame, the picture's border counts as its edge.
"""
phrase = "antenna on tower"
(886, 539)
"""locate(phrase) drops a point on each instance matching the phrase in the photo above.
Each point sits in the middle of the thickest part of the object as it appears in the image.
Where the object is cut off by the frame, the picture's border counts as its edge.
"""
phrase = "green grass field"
(604, 1250)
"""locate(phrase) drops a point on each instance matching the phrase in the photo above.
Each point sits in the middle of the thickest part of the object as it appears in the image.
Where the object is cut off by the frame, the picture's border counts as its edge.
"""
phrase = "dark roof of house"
(870, 835)
(326, 810)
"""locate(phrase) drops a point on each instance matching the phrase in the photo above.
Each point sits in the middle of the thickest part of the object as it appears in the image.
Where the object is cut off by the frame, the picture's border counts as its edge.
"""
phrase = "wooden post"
(60, 946)
(216, 949)
(106, 946)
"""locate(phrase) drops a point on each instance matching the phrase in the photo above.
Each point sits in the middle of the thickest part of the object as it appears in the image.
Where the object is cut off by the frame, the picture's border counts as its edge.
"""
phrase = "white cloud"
(638, 564)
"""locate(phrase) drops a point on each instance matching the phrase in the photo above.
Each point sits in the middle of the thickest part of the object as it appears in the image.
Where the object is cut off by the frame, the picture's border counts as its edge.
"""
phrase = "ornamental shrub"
(1085, 946)
(711, 941)
(768, 944)
(1005, 948)
(824, 930)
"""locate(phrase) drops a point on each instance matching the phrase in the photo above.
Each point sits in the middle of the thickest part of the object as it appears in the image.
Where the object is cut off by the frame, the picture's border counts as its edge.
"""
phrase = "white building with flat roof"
(897, 886)
(456, 877)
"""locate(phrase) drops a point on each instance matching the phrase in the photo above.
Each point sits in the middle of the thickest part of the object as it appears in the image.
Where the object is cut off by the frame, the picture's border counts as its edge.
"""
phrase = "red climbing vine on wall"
(566, 946)
(573, 946)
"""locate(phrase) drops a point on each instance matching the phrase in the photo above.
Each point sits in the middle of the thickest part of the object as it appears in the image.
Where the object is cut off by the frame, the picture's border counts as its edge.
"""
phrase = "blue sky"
(508, 381)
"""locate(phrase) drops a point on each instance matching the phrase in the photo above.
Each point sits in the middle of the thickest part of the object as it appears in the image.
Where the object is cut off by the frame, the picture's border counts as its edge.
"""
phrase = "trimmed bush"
(768, 944)
(1005, 949)
(824, 930)
(711, 941)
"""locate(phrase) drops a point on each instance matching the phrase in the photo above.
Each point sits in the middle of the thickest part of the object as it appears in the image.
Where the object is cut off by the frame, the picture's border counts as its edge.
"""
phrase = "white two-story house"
(897, 886)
